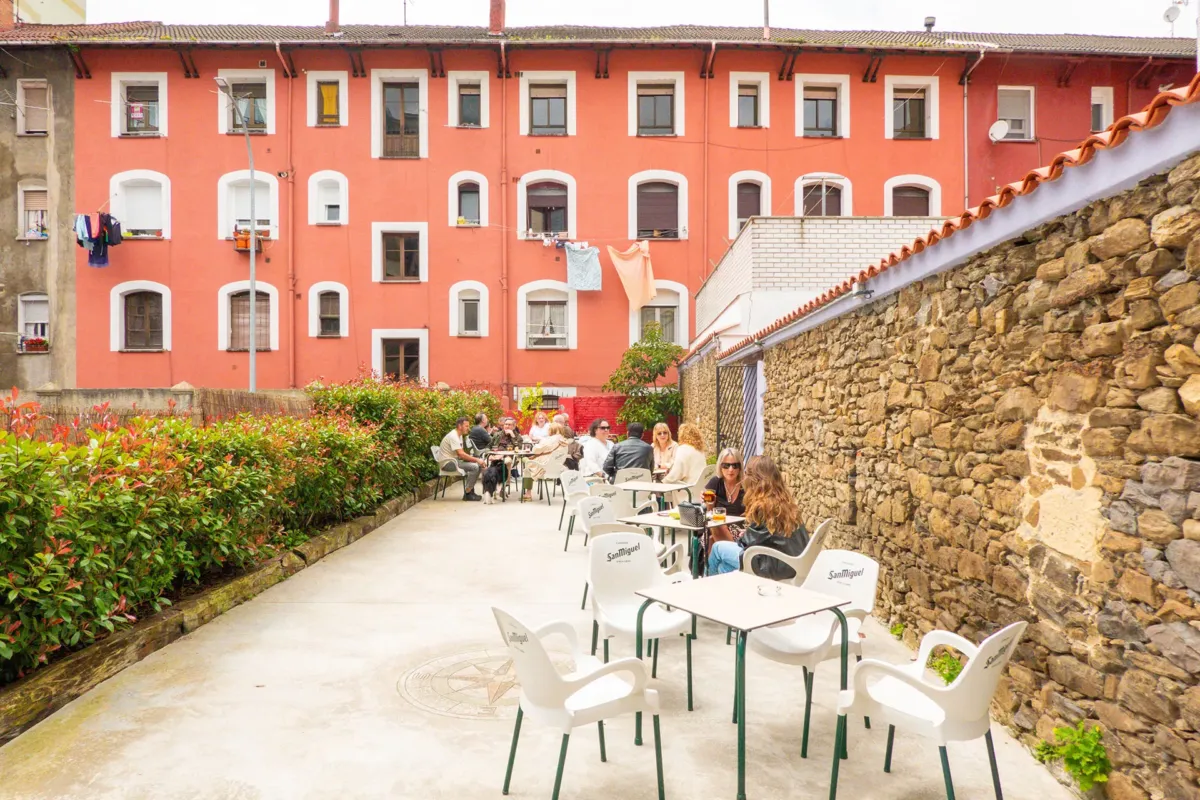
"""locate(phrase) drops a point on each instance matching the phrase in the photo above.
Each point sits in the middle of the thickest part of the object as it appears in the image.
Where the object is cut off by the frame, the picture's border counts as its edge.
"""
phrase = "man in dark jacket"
(632, 452)
(479, 435)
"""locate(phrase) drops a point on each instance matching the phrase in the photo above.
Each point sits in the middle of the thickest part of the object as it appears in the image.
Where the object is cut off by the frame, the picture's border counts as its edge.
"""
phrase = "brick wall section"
(728, 280)
(1019, 439)
(582, 410)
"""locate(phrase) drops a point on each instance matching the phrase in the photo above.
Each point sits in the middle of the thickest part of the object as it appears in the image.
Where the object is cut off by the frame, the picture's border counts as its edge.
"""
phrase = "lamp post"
(223, 85)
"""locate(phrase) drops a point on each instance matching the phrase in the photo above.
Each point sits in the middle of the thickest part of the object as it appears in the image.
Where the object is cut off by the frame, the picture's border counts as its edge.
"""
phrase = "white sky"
(1120, 17)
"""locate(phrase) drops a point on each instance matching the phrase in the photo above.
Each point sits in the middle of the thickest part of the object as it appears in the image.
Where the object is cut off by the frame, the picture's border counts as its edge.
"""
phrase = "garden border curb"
(29, 700)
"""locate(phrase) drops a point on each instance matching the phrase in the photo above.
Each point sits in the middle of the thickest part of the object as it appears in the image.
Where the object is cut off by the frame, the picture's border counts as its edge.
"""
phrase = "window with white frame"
(468, 199)
(328, 198)
(233, 204)
(469, 309)
(662, 311)
(546, 318)
(749, 196)
(400, 252)
(911, 107)
(547, 103)
(328, 310)
(749, 99)
(233, 316)
(822, 106)
(749, 202)
(242, 215)
(33, 210)
(328, 93)
(656, 104)
(141, 200)
(399, 113)
(139, 104)
(33, 316)
(139, 317)
(1102, 107)
(912, 196)
(33, 107)
(657, 205)
(400, 353)
(823, 195)
(468, 98)
(1014, 105)
(253, 103)
(468, 312)
(546, 204)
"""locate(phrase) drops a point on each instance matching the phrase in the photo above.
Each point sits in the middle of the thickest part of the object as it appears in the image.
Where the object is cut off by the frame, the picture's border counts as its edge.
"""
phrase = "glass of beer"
(718, 515)
(709, 497)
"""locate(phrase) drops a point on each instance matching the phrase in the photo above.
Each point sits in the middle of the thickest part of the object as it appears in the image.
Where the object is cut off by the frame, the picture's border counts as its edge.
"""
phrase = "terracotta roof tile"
(1149, 117)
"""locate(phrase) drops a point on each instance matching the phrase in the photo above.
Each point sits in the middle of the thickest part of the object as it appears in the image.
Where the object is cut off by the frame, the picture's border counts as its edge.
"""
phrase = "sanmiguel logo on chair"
(845, 574)
(999, 654)
(623, 551)
(594, 511)
(517, 638)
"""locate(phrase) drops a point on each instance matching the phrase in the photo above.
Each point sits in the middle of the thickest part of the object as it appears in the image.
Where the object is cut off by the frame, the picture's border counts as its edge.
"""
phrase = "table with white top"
(733, 599)
(663, 519)
(651, 487)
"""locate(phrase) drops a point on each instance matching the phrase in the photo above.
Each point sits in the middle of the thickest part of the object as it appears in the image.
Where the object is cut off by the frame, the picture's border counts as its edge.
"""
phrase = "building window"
(470, 110)
(329, 202)
(249, 107)
(253, 99)
(33, 316)
(468, 203)
(912, 107)
(467, 98)
(1102, 107)
(33, 212)
(329, 314)
(401, 359)
(233, 204)
(820, 111)
(656, 109)
(822, 200)
(747, 105)
(546, 324)
(141, 110)
(468, 312)
(548, 110)
(401, 120)
(328, 105)
(262, 207)
(908, 114)
(139, 104)
(328, 102)
(658, 210)
(142, 209)
(1015, 106)
(33, 108)
(547, 202)
(328, 198)
(239, 321)
(328, 310)
(749, 202)
(910, 201)
(662, 314)
(143, 321)
(401, 257)
(469, 309)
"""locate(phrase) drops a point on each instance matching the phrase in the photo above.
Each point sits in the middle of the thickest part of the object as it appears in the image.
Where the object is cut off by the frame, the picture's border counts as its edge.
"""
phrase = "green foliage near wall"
(638, 377)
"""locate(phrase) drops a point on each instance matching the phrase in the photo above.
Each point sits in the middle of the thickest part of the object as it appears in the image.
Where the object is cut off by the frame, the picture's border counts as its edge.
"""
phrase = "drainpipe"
(966, 140)
(291, 229)
(503, 194)
(708, 63)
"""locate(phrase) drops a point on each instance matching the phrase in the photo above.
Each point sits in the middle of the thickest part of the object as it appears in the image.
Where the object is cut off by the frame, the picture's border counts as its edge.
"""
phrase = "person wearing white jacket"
(596, 448)
(690, 460)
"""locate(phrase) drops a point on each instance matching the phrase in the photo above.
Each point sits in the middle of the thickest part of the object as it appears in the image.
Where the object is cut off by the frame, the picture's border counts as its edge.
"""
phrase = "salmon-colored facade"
(601, 163)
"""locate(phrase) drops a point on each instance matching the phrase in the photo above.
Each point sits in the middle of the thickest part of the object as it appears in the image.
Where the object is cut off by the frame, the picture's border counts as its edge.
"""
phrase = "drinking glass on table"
(718, 514)
(709, 497)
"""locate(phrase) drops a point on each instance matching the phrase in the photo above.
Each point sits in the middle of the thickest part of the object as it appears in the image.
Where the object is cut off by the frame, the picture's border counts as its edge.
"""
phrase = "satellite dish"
(1171, 14)
(998, 130)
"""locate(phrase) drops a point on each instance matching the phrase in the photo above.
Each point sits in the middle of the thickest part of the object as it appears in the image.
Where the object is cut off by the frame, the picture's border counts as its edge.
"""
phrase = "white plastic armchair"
(553, 470)
(801, 564)
(692, 493)
(575, 488)
(671, 559)
(447, 471)
(904, 696)
(594, 692)
(589, 511)
(632, 474)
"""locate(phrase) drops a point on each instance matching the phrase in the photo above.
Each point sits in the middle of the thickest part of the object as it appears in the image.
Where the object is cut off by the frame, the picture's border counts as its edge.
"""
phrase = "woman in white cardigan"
(690, 460)
(595, 449)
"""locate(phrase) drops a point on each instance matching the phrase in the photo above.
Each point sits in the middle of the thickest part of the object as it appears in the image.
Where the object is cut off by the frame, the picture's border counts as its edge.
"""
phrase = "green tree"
(638, 375)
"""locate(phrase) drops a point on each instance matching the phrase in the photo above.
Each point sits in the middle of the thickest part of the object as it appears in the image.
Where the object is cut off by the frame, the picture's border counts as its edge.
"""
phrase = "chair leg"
(658, 758)
(570, 527)
(595, 635)
(728, 634)
(512, 755)
(606, 651)
(866, 719)
(995, 772)
(583, 605)
(600, 724)
(735, 680)
(688, 640)
(562, 513)
(562, 759)
(808, 690)
(654, 661)
(887, 757)
(946, 773)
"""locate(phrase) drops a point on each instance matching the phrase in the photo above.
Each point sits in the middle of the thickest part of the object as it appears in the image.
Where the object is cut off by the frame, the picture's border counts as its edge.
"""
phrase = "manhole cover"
(478, 684)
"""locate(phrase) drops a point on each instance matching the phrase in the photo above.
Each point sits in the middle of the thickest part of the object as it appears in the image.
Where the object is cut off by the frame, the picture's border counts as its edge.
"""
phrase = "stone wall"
(1019, 438)
(699, 382)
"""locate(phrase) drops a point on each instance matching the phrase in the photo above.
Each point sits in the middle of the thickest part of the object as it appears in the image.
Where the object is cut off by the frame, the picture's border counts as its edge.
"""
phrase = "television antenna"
(1169, 17)
(1173, 12)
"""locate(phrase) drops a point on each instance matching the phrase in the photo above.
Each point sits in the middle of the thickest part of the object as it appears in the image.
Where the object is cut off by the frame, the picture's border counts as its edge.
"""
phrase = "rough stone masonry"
(1019, 438)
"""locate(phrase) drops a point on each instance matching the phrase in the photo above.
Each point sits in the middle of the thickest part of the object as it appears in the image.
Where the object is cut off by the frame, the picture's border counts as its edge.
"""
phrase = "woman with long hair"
(665, 448)
(535, 467)
(728, 493)
(689, 456)
(774, 521)
(540, 428)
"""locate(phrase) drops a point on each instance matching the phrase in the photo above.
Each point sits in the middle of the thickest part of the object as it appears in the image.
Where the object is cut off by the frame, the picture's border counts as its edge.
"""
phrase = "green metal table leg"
(600, 725)
(688, 640)
(808, 690)
(741, 702)
(995, 772)
(606, 651)
(637, 718)
(654, 645)
(583, 605)
(946, 773)
(562, 759)
(837, 761)
(839, 743)
(512, 754)
(595, 635)
(735, 678)
(887, 757)
(662, 794)
(695, 546)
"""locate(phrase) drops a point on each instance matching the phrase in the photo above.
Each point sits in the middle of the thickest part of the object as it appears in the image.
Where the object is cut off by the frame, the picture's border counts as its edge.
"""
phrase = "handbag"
(692, 515)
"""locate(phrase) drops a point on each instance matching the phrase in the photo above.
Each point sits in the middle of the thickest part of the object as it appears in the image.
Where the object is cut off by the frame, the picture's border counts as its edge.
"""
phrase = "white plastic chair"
(589, 511)
(801, 564)
(632, 474)
(592, 693)
(906, 696)
(808, 641)
(447, 471)
(693, 492)
(619, 564)
(553, 470)
(575, 488)
(675, 562)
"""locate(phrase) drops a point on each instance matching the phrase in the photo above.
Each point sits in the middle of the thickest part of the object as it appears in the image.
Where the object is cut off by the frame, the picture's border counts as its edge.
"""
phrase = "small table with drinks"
(668, 520)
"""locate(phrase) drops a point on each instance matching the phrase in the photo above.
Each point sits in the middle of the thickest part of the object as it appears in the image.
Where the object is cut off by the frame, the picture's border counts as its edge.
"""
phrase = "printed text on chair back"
(975, 686)
(619, 565)
(632, 474)
(593, 510)
(539, 680)
(573, 482)
(604, 490)
(847, 575)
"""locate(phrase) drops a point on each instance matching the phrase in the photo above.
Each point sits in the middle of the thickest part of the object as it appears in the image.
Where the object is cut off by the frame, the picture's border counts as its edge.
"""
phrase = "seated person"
(543, 451)
(726, 487)
(540, 428)
(632, 452)
(507, 438)
(689, 460)
(664, 448)
(774, 522)
(454, 448)
(480, 438)
(596, 448)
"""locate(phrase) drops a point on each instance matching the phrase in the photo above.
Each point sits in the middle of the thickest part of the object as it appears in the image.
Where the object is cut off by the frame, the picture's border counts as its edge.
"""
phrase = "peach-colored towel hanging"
(636, 273)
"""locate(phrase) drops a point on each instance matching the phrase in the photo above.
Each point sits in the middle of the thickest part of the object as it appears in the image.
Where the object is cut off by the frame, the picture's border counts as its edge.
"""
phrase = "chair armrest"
(760, 550)
(674, 554)
(937, 637)
(564, 629)
(650, 504)
(632, 666)
(869, 667)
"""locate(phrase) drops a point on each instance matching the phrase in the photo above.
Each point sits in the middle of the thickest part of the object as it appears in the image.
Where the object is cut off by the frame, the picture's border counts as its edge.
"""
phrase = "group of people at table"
(753, 490)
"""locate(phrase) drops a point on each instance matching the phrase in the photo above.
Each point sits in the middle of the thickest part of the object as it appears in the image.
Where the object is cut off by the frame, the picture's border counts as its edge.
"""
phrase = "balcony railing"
(401, 145)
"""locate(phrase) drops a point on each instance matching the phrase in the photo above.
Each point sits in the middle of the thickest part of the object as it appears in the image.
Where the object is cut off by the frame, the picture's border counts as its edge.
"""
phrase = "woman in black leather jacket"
(774, 521)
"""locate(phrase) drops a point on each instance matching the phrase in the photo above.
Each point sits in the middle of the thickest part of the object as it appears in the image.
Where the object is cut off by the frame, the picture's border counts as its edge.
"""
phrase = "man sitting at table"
(633, 452)
(480, 438)
(507, 438)
(453, 447)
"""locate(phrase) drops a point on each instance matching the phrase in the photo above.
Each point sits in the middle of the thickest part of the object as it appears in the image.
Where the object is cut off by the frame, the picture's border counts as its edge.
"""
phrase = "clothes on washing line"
(583, 269)
(108, 234)
(636, 273)
(83, 230)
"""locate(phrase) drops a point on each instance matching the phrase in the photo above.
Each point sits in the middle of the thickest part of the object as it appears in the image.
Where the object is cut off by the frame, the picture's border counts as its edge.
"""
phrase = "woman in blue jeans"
(774, 521)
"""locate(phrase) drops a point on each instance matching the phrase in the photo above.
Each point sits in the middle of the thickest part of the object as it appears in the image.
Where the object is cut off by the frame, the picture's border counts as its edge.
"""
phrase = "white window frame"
(678, 113)
(26, 297)
(342, 78)
(455, 77)
(830, 178)
(455, 305)
(1031, 134)
(225, 213)
(378, 229)
(116, 313)
(314, 308)
(572, 299)
(760, 79)
(922, 181)
(314, 197)
(420, 334)
(1103, 95)
(223, 296)
(122, 79)
(34, 84)
(232, 76)
(682, 318)
(823, 81)
(31, 185)
(538, 176)
(536, 77)
(382, 76)
(116, 197)
(748, 176)
(932, 113)
(467, 176)
(659, 176)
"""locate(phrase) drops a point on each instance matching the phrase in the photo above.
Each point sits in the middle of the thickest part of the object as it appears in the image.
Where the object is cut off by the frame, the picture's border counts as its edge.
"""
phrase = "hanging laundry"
(112, 230)
(83, 230)
(98, 256)
(583, 269)
(636, 273)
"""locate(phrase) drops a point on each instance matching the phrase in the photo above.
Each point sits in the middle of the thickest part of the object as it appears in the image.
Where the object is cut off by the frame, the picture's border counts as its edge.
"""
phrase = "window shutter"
(37, 200)
(143, 206)
(910, 201)
(658, 207)
(37, 109)
(1013, 104)
(749, 200)
(820, 93)
(548, 91)
(812, 201)
(546, 195)
(327, 195)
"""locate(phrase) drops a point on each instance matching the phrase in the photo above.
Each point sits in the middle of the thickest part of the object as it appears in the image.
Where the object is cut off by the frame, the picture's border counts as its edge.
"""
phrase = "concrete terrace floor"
(378, 673)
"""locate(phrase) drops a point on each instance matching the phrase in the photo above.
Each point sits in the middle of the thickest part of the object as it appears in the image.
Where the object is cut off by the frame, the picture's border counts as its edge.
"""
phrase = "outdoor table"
(502, 454)
(663, 519)
(650, 487)
(733, 600)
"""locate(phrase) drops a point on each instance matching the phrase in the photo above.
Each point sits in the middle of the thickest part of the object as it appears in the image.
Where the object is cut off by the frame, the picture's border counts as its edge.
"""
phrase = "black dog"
(492, 477)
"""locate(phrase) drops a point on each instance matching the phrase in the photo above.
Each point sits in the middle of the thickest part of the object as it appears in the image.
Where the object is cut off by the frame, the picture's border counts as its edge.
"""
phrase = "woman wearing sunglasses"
(774, 521)
(664, 448)
(726, 486)
(596, 448)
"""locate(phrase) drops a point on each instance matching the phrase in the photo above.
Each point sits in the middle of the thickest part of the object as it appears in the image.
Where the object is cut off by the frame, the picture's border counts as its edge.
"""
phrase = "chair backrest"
(433, 451)
(632, 474)
(816, 543)
(605, 490)
(619, 564)
(593, 510)
(706, 475)
(602, 528)
(848, 576)
(554, 464)
(540, 682)
(573, 482)
(971, 693)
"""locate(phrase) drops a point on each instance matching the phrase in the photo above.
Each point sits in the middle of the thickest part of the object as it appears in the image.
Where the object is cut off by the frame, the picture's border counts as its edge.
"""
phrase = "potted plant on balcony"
(35, 344)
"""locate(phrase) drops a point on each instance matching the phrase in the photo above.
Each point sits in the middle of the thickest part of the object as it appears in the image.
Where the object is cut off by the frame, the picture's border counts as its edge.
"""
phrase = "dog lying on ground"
(492, 478)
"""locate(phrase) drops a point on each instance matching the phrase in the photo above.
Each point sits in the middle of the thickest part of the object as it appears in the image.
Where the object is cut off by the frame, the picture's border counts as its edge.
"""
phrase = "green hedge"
(99, 526)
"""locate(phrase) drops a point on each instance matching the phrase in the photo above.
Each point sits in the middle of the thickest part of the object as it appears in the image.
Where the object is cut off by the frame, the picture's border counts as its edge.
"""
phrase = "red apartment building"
(405, 177)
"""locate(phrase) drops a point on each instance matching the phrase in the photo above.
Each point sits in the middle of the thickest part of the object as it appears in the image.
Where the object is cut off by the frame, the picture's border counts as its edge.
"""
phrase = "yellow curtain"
(329, 100)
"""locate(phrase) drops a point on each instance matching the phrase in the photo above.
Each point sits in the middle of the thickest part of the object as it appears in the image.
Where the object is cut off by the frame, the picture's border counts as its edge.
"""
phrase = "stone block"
(1018, 403)
(1167, 435)
(1104, 442)
(1115, 718)
(1119, 239)
(1138, 692)
(1169, 281)
(1156, 262)
(1155, 526)
(1087, 282)
(1008, 582)
(1052, 271)
(1184, 558)
(1116, 542)
(1175, 227)
(1078, 256)
(1189, 707)
(1192, 257)
(1075, 391)
(1160, 400)
(1104, 339)
(1122, 517)
(1115, 418)
(1177, 299)
(1172, 474)
(1116, 621)
(1076, 676)
(1138, 586)
(1121, 787)
(1189, 395)
(1179, 643)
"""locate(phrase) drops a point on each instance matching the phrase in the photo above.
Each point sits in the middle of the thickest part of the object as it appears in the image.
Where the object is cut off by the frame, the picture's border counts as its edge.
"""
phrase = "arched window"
(141, 200)
(910, 201)
(912, 196)
(328, 198)
(749, 202)
(668, 310)
(233, 317)
(233, 204)
(547, 207)
(468, 203)
(820, 194)
(468, 199)
(469, 309)
(657, 205)
(749, 196)
(140, 316)
(328, 310)
(546, 316)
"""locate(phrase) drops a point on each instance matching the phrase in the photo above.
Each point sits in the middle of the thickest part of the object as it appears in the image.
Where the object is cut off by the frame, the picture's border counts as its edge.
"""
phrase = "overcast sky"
(1122, 17)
